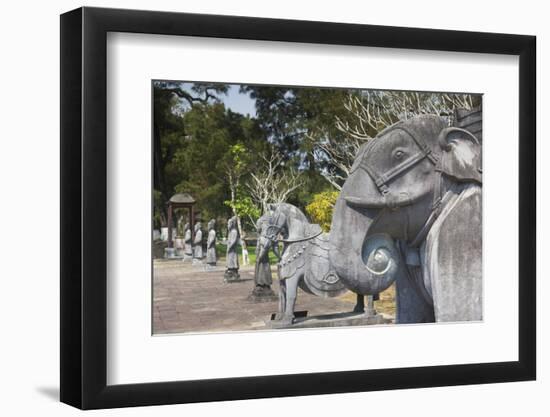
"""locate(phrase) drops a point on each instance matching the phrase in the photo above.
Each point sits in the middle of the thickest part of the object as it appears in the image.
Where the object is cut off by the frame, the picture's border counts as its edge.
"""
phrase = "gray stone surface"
(164, 233)
(231, 275)
(181, 227)
(304, 259)
(197, 242)
(262, 271)
(331, 320)
(211, 257)
(262, 274)
(170, 253)
(182, 198)
(410, 212)
(188, 241)
(188, 299)
(262, 294)
(232, 258)
(178, 245)
(208, 267)
(470, 120)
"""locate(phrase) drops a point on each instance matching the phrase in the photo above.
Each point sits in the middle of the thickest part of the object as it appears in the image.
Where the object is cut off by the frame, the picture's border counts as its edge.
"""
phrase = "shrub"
(321, 208)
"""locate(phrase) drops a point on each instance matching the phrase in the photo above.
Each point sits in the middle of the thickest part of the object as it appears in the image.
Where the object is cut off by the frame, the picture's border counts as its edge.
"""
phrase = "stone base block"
(262, 295)
(278, 322)
(169, 253)
(330, 320)
(232, 275)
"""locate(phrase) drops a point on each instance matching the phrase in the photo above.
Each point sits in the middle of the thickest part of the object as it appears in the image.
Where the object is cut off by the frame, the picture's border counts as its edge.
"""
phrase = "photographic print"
(308, 192)
(291, 207)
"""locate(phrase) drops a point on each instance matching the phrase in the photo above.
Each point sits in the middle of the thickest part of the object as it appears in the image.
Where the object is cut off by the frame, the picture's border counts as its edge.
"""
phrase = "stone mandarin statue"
(178, 240)
(232, 272)
(211, 258)
(262, 272)
(198, 242)
(181, 227)
(188, 239)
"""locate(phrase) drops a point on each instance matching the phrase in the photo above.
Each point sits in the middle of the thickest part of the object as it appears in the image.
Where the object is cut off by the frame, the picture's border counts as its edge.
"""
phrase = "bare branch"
(272, 183)
(368, 114)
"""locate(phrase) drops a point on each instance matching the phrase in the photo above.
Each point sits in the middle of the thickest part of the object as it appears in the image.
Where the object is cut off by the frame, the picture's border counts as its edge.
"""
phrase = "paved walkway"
(188, 299)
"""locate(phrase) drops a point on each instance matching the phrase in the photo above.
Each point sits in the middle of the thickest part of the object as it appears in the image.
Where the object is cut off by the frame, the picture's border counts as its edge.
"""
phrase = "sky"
(239, 103)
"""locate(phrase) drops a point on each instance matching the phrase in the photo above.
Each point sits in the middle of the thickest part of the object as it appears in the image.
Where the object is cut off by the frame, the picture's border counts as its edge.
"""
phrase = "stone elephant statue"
(410, 213)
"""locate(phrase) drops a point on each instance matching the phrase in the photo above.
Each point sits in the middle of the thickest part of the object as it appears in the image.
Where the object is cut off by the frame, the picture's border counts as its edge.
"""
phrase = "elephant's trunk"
(366, 264)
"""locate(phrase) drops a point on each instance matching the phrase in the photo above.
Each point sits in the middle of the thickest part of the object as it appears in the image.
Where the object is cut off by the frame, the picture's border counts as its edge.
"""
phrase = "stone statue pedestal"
(232, 275)
(329, 320)
(210, 267)
(170, 253)
(261, 294)
(187, 257)
(178, 245)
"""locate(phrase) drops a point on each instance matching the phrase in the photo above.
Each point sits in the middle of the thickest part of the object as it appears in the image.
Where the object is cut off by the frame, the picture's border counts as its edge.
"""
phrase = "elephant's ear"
(452, 258)
(461, 156)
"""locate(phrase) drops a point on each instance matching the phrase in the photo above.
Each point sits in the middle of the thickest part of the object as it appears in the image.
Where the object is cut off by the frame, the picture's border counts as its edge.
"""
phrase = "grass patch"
(221, 251)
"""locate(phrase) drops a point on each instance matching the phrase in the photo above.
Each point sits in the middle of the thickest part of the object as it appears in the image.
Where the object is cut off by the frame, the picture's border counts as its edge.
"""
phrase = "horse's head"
(270, 226)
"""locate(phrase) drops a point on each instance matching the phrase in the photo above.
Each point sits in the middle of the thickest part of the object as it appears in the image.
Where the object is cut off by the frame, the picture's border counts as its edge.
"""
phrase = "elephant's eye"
(398, 154)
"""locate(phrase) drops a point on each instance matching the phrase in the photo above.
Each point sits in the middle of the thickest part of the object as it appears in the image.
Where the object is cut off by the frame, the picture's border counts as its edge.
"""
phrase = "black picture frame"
(84, 207)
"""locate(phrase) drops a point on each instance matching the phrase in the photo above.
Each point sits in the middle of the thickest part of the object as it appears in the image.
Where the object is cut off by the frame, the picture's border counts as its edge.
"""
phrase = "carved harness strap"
(273, 231)
(302, 239)
(441, 197)
(409, 251)
(294, 259)
(382, 180)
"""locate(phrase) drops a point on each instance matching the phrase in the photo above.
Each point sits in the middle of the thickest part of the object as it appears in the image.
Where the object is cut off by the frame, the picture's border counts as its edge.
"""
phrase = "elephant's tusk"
(389, 201)
(359, 202)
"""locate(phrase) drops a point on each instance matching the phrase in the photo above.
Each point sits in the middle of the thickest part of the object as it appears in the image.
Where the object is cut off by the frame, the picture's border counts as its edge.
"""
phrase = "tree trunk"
(233, 188)
(158, 172)
(246, 260)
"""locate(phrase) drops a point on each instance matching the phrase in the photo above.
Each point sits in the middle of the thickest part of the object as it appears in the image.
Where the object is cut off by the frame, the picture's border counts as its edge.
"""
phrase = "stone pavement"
(188, 299)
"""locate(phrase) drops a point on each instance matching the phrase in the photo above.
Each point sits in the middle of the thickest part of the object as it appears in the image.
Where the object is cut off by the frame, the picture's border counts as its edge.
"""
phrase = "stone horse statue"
(410, 213)
(303, 261)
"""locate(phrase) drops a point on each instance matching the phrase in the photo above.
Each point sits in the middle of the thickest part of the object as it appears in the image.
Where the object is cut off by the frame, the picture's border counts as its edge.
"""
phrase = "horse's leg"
(291, 292)
(282, 299)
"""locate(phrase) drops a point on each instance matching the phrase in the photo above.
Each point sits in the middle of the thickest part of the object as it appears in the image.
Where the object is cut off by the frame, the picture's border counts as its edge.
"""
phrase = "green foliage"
(239, 157)
(205, 149)
(289, 115)
(170, 99)
(244, 207)
(221, 251)
(321, 208)
(209, 140)
(158, 220)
